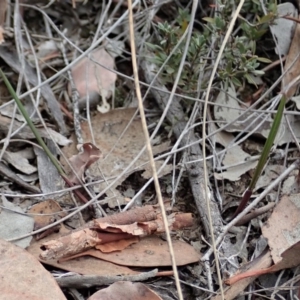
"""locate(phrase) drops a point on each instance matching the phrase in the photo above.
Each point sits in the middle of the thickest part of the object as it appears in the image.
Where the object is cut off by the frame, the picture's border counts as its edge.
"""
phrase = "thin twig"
(149, 148)
(229, 30)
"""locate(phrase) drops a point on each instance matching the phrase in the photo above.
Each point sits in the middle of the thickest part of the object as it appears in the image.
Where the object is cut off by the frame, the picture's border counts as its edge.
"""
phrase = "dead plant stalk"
(149, 148)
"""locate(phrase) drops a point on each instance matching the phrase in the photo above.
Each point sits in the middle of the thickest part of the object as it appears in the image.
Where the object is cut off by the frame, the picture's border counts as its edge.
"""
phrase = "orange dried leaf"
(289, 259)
(117, 246)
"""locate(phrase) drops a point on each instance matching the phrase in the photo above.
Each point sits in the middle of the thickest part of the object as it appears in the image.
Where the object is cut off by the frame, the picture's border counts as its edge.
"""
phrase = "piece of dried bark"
(137, 214)
(78, 241)
(84, 265)
(137, 222)
(103, 233)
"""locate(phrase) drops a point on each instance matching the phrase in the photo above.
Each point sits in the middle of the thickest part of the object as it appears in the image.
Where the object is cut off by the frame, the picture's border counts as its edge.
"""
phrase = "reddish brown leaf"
(83, 160)
(117, 246)
(52, 211)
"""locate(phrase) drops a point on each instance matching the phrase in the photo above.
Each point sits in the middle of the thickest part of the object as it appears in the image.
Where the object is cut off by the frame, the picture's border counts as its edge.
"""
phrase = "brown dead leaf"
(118, 150)
(83, 160)
(51, 212)
(23, 277)
(134, 291)
(94, 76)
(151, 251)
(291, 66)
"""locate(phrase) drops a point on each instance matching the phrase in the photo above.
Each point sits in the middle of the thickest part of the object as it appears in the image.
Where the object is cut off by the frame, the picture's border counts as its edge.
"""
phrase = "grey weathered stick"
(176, 117)
(86, 281)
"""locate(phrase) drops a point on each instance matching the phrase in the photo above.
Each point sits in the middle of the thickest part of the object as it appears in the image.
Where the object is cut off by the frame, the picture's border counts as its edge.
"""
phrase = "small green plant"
(240, 63)
(169, 36)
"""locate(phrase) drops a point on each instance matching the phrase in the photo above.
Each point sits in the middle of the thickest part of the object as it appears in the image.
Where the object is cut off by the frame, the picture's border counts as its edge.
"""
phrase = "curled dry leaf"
(83, 160)
(134, 291)
(91, 75)
(228, 109)
(26, 133)
(19, 162)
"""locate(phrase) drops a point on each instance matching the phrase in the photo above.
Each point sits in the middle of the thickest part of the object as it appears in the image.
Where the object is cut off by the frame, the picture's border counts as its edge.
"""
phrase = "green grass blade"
(30, 124)
(264, 156)
(269, 143)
